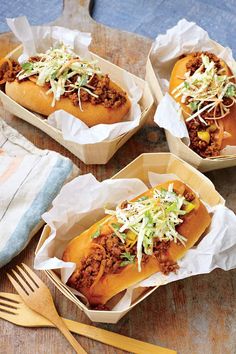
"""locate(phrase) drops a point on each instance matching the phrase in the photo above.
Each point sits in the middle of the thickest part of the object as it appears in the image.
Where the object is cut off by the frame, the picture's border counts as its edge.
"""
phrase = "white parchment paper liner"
(37, 39)
(81, 203)
(185, 37)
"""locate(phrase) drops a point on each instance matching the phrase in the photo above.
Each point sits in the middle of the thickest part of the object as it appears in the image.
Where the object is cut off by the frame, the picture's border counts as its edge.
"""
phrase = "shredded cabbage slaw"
(206, 85)
(57, 67)
(152, 217)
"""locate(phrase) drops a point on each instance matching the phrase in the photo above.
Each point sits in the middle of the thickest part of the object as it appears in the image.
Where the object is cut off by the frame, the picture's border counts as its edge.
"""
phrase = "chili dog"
(59, 79)
(137, 239)
(205, 88)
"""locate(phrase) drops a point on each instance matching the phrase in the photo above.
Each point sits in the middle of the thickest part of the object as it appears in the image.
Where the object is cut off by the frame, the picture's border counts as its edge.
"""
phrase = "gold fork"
(38, 297)
(12, 309)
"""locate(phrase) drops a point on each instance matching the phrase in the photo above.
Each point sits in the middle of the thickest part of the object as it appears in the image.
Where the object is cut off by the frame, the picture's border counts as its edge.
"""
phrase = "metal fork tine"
(34, 276)
(21, 291)
(27, 278)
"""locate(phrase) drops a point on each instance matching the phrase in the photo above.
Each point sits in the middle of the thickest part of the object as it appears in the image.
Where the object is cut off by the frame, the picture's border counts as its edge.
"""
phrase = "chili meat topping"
(202, 147)
(8, 70)
(99, 92)
(100, 86)
(114, 246)
(209, 93)
(203, 137)
(113, 256)
(196, 62)
(205, 147)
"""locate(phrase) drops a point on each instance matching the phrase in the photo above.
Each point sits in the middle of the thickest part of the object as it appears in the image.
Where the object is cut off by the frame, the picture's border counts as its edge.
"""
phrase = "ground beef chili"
(196, 61)
(109, 257)
(34, 59)
(194, 126)
(201, 147)
(8, 73)
(99, 85)
(107, 250)
(161, 253)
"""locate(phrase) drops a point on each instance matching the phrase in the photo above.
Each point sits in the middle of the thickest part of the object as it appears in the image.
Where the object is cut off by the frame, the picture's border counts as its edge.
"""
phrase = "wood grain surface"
(196, 315)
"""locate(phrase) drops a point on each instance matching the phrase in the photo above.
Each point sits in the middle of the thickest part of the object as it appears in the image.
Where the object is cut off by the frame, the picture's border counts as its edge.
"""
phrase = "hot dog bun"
(108, 284)
(34, 97)
(227, 123)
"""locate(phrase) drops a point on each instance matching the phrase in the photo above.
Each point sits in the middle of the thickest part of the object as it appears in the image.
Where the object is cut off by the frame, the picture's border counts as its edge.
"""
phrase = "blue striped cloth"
(30, 179)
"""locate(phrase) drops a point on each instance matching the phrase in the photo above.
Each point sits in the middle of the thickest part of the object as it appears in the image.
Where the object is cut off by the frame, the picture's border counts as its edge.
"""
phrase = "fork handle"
(65, 331)
(116, 340)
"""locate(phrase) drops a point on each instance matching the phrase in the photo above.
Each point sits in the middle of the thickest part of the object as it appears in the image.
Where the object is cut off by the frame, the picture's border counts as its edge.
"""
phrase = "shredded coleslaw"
(206, 90)
(153, 217)
(57, 67)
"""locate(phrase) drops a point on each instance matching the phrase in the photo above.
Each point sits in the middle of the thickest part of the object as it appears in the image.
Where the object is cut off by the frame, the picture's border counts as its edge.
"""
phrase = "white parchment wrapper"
(185, 37)
(81, 203)
(37, 39)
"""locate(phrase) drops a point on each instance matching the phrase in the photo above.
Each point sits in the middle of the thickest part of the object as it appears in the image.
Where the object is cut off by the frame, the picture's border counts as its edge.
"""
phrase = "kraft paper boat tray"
(99, 153)
(139, 168)
(175, 144)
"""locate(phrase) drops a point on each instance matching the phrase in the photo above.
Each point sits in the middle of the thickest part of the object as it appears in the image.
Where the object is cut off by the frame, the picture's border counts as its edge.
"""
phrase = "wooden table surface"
(196, 315)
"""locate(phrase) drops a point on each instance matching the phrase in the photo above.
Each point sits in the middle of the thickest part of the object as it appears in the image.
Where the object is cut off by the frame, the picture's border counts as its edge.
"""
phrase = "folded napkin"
(30, 178)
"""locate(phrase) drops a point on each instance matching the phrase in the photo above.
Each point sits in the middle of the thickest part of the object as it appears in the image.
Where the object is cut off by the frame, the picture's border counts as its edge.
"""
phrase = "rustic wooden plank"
(196, 315)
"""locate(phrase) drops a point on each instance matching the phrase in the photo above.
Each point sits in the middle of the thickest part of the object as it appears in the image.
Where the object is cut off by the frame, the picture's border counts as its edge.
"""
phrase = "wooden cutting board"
(196, 315)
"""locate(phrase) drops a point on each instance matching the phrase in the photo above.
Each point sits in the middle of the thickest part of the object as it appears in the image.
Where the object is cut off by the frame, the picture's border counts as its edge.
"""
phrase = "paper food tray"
(160, 163)
(98, 153)
(175, 144)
